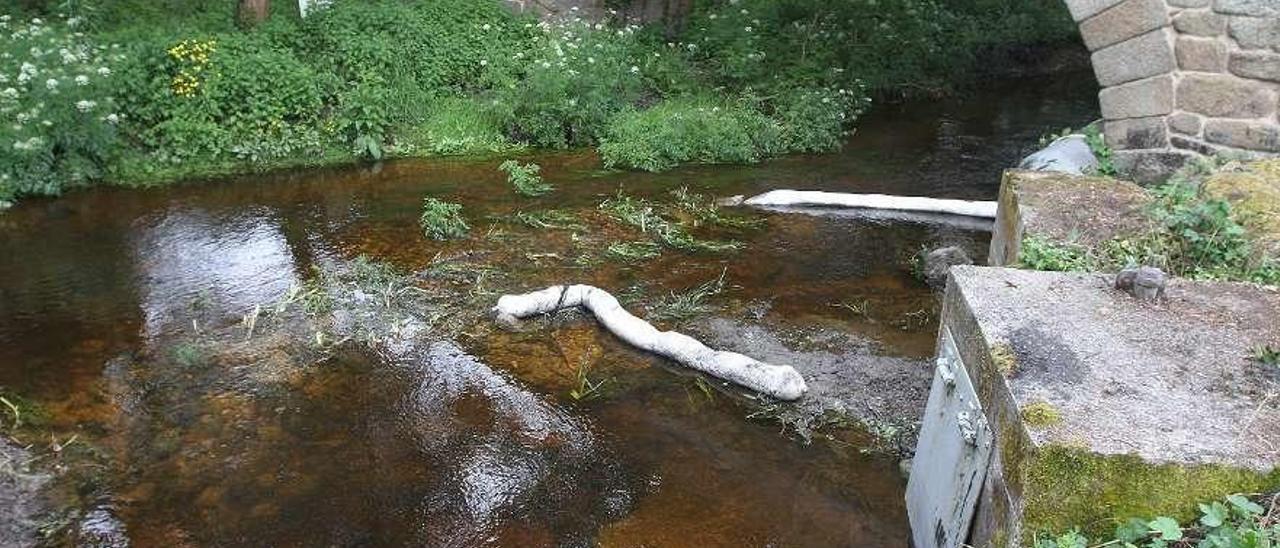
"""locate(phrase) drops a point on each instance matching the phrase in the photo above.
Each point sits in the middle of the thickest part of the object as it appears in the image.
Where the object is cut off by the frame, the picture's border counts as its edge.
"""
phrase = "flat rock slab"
(1173, 382)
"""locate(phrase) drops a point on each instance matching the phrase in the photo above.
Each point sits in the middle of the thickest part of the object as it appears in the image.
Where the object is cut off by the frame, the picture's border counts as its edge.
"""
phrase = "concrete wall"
(1184, 77)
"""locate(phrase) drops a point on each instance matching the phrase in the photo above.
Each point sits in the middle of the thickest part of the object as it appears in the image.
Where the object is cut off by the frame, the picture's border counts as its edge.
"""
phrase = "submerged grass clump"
(526, 178)
(554, 219)
(634, 251)
(686, 304)
(662, 223)
(442, 220)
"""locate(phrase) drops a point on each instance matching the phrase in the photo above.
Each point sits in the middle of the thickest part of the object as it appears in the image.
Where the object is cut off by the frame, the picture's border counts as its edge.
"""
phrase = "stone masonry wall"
(1184, 77)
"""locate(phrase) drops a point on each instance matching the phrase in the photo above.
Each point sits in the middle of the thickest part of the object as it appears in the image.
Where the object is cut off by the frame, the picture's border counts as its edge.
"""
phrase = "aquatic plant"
(643, 215)
(551, 219)
(632, 252)
(525, 178)
(683, 305)
(442, 220)
(586, 389)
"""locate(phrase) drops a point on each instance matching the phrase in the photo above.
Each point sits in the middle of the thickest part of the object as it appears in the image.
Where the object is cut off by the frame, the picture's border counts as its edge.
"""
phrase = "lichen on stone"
(1003, 358)
(1041, 414)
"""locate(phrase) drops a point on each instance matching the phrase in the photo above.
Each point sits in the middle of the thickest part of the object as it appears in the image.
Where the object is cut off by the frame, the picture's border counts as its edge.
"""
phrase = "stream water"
(474, 442)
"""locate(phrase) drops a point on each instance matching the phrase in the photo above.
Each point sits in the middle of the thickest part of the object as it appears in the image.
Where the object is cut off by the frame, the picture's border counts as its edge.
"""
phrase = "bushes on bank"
(57, 99)
(190, 94)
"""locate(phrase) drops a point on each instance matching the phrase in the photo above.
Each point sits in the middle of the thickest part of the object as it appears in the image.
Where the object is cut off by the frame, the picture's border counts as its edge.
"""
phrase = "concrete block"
(1254, 8)
(1259, 65)
(1095, 398)
(1201, 54)
(1084, 9)
(1224, 96)
(1186, 123)
(1200, 23)
(1148, 55)
(1137, 133)
(1150, 97)
(1245, 134)
(1123, 21)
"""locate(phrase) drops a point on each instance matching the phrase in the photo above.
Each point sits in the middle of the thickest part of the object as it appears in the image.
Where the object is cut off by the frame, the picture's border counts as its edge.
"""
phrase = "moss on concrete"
(1069, 487)
(1041, 414)
(1003, 358)
(1254, 193)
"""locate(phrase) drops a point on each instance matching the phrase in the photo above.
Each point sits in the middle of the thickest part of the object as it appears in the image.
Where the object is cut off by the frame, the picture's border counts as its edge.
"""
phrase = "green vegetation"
(140, 92)
(1235, 522)
(525, 178)
(687, 304)
(1194, 235)
(632, 252)
(1067, 487)
(1267, 355)
(667, 224)
(552, 219)
(442, 220)
(1040, 414)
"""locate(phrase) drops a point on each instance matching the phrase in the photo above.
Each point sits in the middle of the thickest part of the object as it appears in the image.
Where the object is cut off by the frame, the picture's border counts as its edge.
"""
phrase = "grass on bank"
(142, 92)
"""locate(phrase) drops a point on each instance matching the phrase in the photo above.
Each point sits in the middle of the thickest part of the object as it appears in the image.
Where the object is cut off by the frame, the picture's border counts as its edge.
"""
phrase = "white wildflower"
(113, 118)
(104, 71)
(85, 105)
(486, 27)
(51, 83)
(82, 80)
(10, 93)
(635, 69)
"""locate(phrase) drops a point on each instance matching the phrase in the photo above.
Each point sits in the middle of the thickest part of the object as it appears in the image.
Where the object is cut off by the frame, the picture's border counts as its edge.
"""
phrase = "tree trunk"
(252, 12)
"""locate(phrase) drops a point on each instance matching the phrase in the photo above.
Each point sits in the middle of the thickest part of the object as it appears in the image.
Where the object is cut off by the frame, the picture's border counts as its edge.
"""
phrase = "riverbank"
(98, 97)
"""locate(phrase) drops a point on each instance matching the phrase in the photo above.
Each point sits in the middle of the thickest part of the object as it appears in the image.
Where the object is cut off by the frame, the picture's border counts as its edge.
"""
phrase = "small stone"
(1148, 55)
(1256, 8)
(1259, 65)
(1145, 283)
(1244, 134)
(1224, 96)
(1185, 123)
(937, 264)
(1126, 20)
(1200, 23)
(1150, 97)
(1201, 54)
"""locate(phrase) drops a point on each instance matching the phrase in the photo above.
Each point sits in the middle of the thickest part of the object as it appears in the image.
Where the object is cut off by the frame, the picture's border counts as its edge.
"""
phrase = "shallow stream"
(107, 295)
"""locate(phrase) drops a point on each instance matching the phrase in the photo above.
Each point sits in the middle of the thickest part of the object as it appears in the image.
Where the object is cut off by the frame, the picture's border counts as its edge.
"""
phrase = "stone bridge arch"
(1182, 78)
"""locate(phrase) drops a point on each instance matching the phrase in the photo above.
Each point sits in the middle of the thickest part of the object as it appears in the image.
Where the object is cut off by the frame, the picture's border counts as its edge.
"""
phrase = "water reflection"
(192, 263)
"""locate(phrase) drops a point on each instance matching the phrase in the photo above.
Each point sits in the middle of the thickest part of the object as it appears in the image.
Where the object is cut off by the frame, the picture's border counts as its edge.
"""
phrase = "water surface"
(476, 443)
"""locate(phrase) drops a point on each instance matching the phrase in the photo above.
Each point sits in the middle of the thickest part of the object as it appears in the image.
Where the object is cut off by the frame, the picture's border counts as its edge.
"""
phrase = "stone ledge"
(1086, 210)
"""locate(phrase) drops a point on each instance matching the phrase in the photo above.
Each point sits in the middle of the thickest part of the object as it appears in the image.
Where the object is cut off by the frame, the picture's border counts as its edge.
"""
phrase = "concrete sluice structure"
(1059, 401)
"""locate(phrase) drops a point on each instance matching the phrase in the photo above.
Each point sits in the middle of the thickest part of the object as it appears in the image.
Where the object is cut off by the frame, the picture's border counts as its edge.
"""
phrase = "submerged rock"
(20, 503)
(937, 263)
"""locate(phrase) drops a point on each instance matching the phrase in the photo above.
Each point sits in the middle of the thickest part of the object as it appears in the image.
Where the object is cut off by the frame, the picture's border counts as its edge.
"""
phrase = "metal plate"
(951, 458)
